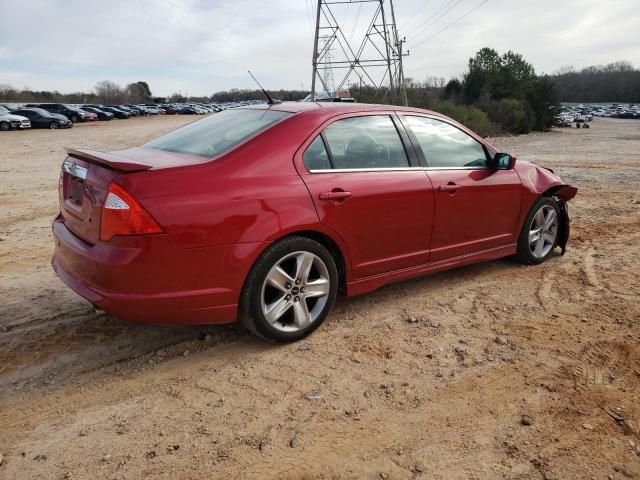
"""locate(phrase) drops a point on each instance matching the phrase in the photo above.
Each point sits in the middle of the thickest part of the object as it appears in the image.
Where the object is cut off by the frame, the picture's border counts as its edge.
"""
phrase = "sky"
(198, 47)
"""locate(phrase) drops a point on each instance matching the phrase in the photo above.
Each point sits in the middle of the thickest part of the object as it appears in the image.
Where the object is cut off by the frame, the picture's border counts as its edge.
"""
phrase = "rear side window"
(218, 133)
(315, 156)
(366, 142)
(444, 145)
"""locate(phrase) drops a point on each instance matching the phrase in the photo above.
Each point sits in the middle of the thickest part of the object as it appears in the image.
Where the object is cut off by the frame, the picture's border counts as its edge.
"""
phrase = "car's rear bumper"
(151, 279)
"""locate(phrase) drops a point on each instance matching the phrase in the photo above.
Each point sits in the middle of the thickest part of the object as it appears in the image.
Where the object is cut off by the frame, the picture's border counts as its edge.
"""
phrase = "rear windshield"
(218, 133)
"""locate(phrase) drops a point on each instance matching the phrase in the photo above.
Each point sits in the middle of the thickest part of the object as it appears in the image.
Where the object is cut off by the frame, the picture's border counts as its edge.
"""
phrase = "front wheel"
(53, 125)
(539, 235)
(5, 127)
(290, 290)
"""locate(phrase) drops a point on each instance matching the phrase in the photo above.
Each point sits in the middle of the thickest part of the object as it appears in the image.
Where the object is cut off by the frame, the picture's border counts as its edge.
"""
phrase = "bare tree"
(7, 92)
(109, 92)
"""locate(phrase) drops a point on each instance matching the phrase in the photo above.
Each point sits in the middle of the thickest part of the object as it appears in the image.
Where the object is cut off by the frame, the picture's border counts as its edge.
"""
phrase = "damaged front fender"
(538, 181)
(564, 227)
(564, 193)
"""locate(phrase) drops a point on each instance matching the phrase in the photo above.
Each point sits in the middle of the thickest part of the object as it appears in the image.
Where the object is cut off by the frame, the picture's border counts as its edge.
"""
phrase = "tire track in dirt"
(602, 363)
(22, 415)
(589, 270)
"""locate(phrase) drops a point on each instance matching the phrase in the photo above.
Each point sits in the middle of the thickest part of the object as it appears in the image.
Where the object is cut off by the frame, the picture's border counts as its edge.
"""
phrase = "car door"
(476, 208)
(32, 116)
(368, 187)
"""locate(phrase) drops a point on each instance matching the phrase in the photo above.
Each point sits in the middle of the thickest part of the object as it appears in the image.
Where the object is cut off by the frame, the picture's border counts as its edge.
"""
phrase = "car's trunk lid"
(85, 179)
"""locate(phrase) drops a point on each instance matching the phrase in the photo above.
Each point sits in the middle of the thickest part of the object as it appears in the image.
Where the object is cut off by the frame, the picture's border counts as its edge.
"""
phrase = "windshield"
(218, 133)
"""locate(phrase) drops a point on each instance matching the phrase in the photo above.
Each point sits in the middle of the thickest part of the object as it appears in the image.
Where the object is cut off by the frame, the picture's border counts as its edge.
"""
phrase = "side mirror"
(502, 161)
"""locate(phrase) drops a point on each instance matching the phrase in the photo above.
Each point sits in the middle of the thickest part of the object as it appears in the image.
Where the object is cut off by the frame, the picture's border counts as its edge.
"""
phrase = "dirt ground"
(407, 382)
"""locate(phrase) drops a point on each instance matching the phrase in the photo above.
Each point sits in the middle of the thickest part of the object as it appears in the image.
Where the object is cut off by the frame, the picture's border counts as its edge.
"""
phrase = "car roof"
(323, 109)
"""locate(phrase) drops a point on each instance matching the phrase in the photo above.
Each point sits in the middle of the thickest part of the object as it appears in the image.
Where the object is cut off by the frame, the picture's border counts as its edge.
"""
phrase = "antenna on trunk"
(271, 101)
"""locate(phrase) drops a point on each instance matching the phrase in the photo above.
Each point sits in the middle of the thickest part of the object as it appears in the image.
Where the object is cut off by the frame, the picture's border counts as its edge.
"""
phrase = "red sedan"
(263, 214)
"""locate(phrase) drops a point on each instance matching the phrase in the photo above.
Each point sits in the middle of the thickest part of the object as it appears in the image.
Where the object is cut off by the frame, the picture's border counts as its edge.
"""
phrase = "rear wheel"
(290, 290)
(539, 235)
(53, 125)
(4, 126)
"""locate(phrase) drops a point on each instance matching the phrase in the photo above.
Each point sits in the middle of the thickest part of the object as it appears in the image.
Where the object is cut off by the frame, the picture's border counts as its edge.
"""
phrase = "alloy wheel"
(543, 231)
(295, 291)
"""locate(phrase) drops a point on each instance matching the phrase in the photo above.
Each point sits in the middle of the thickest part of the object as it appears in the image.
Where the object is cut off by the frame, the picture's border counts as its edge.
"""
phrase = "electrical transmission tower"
(375, 59)
(327, 77)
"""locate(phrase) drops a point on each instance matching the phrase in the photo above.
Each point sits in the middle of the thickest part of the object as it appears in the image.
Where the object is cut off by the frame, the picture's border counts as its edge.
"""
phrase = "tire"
(536, 246)
(286, 304)
(53, 125)
(5, 126)
(74, 118)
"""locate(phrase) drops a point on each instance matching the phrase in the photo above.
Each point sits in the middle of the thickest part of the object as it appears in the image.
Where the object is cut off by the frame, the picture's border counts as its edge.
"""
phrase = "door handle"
(335, 195)
(449, 187)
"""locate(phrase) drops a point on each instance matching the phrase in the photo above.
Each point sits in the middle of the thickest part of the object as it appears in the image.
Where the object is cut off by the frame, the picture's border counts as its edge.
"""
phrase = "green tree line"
(497, 93)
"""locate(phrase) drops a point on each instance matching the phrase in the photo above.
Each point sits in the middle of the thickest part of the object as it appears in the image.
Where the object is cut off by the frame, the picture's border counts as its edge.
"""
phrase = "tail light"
(123, 215)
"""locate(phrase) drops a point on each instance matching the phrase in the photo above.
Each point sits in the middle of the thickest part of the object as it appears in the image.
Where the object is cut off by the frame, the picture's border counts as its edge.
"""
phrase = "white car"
(8, 121)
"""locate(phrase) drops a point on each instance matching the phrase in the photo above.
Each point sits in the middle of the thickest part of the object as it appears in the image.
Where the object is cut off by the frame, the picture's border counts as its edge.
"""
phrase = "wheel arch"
(334, 249)
(334, 244)
(563, 193)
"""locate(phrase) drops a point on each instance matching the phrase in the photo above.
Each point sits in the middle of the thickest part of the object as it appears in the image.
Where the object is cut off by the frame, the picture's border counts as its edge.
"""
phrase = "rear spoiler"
(108, 160)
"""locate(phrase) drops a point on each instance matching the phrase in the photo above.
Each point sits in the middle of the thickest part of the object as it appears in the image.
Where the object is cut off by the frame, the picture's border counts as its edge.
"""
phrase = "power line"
(445, 5)
(437, 17)
(355, 24)
(414, 15)
(309, 17)
(452, 23)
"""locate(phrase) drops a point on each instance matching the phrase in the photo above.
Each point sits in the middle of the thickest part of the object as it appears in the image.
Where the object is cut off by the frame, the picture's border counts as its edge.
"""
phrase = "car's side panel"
(369, 284)
(387, 220)
(234, 210)
(476, 208)
(483, 213)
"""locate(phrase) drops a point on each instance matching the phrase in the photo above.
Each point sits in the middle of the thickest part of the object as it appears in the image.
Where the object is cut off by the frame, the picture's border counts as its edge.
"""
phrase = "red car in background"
(91, 117)
(263, 214)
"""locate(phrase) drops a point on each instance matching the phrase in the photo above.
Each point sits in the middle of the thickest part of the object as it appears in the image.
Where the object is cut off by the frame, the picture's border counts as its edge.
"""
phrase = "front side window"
(365, 142)
(444, 145)
(218, 133)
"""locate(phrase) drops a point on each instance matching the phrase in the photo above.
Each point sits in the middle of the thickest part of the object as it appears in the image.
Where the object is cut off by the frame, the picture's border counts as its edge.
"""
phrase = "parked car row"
(61, 115)
(581, 114)
(23, 118)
